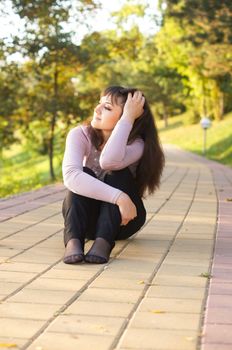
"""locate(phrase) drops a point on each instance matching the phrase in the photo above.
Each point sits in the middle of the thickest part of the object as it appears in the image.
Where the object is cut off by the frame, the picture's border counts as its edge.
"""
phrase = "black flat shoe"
(73, 259)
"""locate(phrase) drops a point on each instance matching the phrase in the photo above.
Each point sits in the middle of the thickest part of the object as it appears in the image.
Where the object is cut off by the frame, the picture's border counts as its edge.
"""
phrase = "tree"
(205, 28)
(51, 49)
(10, 77)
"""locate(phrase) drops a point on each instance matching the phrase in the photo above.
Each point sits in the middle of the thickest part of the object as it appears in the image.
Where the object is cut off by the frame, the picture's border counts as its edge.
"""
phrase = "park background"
(56, 57)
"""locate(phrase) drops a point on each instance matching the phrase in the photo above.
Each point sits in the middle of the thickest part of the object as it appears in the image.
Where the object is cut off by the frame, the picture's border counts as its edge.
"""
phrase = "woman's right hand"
(127, 208)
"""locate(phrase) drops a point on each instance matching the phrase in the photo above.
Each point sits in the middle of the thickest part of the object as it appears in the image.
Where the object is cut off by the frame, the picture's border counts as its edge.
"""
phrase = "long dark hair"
(151, 164)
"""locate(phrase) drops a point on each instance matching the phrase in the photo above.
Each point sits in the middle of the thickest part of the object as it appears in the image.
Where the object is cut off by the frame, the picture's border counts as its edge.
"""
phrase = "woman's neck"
(106, 135)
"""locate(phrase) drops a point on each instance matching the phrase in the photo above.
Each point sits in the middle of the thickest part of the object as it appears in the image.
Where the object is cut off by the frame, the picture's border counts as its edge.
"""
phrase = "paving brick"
(15, 276)
(138, 276)
(171, 305)
(219, 288)
(220, 301)
(8, 251)
(160, 319)
(27, 310)
(184, 281)
(218, 315)
(75, 273)
(217, 346)
(32, 257)
(119, 283)
(110, 295)
(39, 296)
(179, 270)
(59, 341)
(138, 338)
(99, 308)
(176, 292)
(22, 267)
(13, 327)
(82, 324)
(9, 287)
(217, 333)
(57, 284)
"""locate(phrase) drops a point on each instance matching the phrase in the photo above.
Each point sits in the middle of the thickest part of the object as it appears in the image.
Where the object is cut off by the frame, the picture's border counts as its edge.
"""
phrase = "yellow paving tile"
(59, 341)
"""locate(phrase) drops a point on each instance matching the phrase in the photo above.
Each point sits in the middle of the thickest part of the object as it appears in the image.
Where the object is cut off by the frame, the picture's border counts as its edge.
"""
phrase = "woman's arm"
(75, 179)
(117, 154)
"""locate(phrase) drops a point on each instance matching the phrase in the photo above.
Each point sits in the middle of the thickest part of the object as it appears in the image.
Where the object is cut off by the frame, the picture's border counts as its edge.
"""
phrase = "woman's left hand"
(133, 107)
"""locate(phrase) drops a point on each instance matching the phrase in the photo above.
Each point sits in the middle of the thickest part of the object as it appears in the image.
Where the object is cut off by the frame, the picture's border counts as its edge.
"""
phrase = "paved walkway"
(167, 288)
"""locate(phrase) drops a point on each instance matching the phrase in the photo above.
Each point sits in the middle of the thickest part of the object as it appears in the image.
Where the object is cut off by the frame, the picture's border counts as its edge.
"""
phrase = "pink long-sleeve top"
(115, 155)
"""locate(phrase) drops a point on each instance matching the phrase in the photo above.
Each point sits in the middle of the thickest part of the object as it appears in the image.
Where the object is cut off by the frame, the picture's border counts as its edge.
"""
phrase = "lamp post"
(205, 124)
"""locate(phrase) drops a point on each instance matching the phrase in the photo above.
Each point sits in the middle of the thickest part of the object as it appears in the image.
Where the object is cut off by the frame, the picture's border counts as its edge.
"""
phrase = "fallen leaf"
(141, 282)
(8, 345)
(189, 338)
(229, 199)
(158, 311)
(205, 275)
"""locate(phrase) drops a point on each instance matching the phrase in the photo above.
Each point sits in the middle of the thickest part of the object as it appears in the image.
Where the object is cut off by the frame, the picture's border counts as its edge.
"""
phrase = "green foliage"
(202, 35)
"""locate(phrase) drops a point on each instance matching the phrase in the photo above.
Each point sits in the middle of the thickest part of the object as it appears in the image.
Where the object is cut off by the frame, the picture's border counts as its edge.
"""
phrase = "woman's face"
(106, 114)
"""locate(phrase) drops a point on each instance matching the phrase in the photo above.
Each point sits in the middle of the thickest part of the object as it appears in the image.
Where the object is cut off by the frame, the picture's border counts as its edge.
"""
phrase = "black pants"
(86, 217)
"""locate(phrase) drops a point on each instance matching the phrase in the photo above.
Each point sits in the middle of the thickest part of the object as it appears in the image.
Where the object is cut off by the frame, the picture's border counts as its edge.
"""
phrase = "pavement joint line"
(29, 226)
(203, 311)
(32, 246)
(121, 332)
(79, 293)
(170, 195)
(69, 302)
(203, 306)
(30, 281)
(169, 175)
(228, 179)
(30, 200)
(28, 192)
(38, 275)
(225, 175)
(28, 210)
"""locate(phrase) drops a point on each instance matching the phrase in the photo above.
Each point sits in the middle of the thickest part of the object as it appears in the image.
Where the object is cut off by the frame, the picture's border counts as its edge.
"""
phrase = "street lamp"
(205, 124)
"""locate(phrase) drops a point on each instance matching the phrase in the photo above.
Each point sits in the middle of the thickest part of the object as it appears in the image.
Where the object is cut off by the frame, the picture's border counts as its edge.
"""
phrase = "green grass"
(23, 170)
(190, 137)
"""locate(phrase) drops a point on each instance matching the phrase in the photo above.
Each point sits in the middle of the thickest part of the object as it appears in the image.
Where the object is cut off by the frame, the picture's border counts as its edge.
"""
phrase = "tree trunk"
(221, 105)
(218, 101)
(53, 123)
(165, 116)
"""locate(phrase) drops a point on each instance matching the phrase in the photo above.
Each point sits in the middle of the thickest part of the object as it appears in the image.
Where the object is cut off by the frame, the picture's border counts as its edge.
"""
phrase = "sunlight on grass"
(23, 171)
(190, 137)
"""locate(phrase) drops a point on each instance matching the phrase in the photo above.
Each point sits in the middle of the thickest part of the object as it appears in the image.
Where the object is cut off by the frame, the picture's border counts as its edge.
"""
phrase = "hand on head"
(133, 107)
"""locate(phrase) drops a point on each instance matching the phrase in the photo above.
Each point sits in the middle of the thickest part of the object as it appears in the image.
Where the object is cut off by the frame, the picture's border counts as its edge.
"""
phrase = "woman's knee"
(89, 171)
(122, 176)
